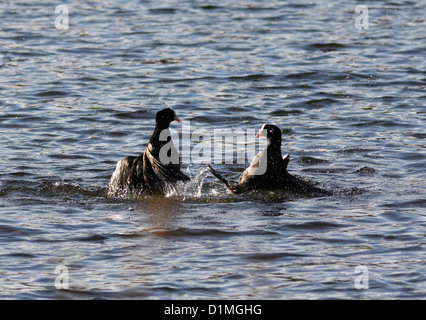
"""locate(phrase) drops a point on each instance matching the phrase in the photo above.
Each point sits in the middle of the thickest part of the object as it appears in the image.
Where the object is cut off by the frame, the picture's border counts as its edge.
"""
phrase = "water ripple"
(350, 103)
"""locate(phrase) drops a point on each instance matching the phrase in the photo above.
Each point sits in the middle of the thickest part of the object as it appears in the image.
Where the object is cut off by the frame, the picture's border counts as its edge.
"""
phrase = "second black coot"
(268, 170)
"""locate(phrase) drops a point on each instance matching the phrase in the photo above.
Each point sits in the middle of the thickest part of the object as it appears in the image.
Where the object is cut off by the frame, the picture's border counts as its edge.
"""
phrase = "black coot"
(156, 170)
(268, 170)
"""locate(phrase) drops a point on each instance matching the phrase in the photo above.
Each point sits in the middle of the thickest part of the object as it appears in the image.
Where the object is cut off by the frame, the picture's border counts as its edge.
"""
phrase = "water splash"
(193, 188)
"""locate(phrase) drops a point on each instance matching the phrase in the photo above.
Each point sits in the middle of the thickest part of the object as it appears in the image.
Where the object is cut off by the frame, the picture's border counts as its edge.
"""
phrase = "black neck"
(274, 147)
(159, 127)
(275, 143)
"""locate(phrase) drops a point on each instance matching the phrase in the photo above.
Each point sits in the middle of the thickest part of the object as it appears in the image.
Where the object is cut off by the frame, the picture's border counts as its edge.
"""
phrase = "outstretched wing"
(169, 173)
(128, 176)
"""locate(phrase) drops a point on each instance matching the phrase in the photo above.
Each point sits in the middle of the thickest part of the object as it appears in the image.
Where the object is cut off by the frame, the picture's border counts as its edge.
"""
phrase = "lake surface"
(350, 101)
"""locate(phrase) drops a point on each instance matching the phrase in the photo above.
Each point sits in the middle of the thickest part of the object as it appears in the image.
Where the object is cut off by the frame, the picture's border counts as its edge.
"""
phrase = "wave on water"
(203, 187)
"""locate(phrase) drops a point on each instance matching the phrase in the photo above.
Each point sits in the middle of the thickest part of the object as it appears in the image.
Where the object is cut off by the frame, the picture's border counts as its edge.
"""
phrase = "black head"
(165, 116)
(273, 133)
(270, 131)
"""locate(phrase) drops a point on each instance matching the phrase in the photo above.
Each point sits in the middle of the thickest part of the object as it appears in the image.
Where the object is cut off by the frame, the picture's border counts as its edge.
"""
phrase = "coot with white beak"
(149, 173)
(268, 170)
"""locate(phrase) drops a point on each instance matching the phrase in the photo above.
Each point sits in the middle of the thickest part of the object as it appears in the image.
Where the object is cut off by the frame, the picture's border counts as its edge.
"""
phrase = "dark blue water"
(351, 103)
